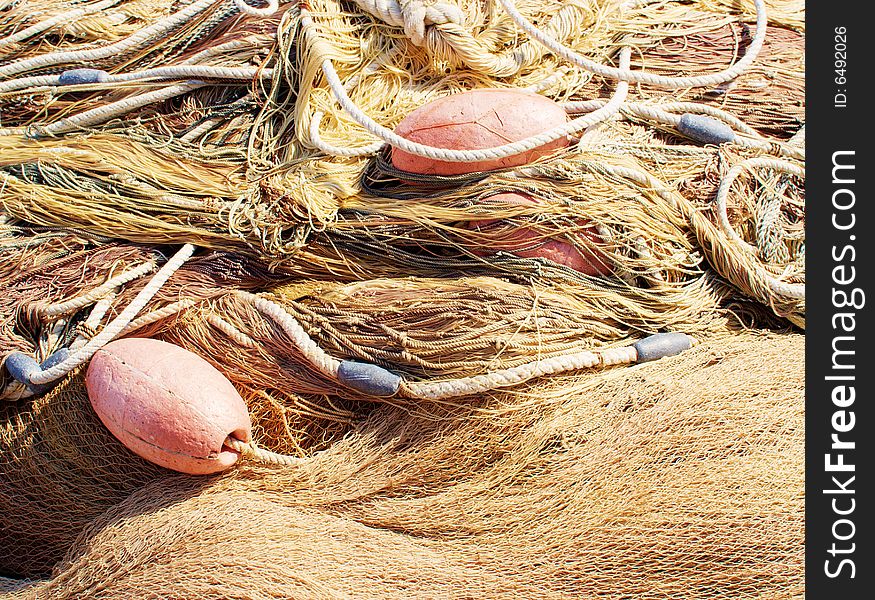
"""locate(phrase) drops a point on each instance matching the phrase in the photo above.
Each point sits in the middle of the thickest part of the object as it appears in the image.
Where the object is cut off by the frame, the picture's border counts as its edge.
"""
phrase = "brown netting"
(770, 96)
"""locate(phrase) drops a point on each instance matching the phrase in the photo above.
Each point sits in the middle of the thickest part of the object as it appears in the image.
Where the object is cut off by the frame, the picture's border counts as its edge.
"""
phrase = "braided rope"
(157, 315)
(712, 111)
(549, 81)
(333, 150)
(624, 74)
(142, 37)
(117, 325)
(729, 179)
(327, 148)
(91, 324)
(250, 450)
(231, 331)
(419, 13)
(317, 357)
(788, 150)
(414, 15)
(69, 306)
(246, 42)
(199, 130)
(448, 21)
(107, 112)
(466, 386)
(662, 113)
(764, 277)
(266, 11)
(183, 71)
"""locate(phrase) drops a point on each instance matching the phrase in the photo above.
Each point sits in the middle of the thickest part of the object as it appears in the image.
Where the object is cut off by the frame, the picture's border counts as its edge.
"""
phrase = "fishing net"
(218, 124)
(655, 481)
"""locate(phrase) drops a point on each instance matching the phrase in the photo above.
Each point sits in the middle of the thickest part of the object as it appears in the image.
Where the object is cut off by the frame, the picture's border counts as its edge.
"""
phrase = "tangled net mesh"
(659, 481)
(656, 480)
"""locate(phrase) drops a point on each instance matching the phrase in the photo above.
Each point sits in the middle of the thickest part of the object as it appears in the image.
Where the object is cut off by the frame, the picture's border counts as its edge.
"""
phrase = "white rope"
(711, 111)
(158, 73)
(65, 17)
(93, 321)
(660, 113)
(467, 386)
(129, 43)
(318, 357)
(231, 331)
(333, 150)
(549, 81)
(624, 74)
(69, 306)
(157, 315)
(119, 323)
(430, 390)
(778, 286)
(788, 150)
(249, 41)
(107, 112)
(386, 10)
(445, 154)
(200, 130)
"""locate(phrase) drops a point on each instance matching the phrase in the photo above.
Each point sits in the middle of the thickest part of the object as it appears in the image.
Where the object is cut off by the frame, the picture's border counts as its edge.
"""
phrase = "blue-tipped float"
(370, 379)
(705, 129)
(662, 345)
(22, 367)
(82, 76)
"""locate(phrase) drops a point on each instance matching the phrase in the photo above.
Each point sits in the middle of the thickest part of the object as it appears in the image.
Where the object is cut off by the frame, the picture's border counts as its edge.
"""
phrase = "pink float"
(475, 120)
(167, 405)
(520, 242)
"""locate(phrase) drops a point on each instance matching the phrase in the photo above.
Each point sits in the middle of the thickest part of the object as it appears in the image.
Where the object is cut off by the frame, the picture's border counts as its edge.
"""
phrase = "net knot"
(418, 14)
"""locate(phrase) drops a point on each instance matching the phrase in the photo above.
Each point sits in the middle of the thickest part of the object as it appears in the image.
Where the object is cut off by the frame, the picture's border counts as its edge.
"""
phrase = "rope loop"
(790, 290)
(248, 9)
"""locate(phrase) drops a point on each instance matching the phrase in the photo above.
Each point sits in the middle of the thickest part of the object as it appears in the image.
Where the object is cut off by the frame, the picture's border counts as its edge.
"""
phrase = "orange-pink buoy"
(474, 120)
(168, 405)
(524, 242)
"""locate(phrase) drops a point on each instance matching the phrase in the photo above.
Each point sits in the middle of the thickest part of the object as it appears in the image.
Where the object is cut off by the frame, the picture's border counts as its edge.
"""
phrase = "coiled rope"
(779, 287)
(752, 267)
